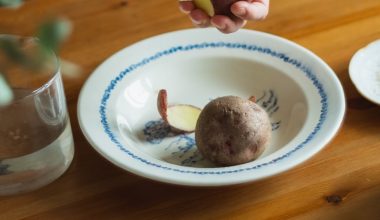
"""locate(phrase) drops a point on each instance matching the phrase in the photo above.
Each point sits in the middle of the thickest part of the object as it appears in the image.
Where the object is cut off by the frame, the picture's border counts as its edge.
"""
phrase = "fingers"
(197, 16)
(243, 10)
(227, 25)
(251, 10)
(186, 6)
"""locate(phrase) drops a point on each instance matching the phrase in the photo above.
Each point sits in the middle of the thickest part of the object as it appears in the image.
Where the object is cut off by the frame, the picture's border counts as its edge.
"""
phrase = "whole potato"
(231, 130)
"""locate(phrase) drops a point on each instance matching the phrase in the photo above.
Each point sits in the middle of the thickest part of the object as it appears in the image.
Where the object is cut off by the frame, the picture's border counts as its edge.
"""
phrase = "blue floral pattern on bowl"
(183, 147)
(228, 45)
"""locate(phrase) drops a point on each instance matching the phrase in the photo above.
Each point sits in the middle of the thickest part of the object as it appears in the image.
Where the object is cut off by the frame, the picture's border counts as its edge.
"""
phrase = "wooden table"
(341, 182)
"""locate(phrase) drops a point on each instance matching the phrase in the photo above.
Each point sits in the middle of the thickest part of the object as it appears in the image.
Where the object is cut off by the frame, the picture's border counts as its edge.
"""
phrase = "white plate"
(365, 71)
(117, 105)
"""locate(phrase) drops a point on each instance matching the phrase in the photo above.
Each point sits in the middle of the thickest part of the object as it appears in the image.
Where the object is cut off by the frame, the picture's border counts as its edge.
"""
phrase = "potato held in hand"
(231, 131)
(215, 7)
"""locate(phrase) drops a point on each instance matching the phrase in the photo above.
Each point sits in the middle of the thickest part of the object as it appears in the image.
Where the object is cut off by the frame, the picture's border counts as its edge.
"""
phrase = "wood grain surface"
(340, 182)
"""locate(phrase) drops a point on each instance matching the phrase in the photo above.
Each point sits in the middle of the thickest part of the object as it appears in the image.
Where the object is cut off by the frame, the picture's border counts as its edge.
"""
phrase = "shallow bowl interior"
(197, 80)
(118, 115)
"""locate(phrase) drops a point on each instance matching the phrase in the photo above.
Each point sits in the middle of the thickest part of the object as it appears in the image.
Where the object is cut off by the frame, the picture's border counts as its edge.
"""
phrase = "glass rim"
(52, 76)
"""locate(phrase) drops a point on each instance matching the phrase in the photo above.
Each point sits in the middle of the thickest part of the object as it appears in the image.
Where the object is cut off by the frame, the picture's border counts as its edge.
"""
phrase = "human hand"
(243, 11)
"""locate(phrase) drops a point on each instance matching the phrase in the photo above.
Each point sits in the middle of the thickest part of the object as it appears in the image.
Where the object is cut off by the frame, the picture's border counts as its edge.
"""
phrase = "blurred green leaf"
(10, 3)
(32, 55)
(50, 35)
(10, 47)
(53, 32)
(70, 69)
(6, 94)
(13, 49)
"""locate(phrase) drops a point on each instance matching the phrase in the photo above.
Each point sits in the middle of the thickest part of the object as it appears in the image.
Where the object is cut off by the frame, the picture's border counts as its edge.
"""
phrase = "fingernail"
(240, 11)
(197, 22)
(218, 26)
(184, 11)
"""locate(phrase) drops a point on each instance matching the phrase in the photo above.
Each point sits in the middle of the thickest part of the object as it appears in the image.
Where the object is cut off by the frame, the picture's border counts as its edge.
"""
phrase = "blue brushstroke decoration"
(226, 45)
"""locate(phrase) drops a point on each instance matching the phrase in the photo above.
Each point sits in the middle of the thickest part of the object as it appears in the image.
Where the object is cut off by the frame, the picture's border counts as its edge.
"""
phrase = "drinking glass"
(36, 142)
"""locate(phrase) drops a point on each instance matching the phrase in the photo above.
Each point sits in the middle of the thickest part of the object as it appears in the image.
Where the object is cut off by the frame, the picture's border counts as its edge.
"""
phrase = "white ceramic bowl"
(364, 71)
(117, 105)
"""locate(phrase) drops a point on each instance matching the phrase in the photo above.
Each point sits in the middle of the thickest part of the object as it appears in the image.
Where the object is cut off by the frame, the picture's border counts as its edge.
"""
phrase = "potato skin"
(231, 131)
(223, 7)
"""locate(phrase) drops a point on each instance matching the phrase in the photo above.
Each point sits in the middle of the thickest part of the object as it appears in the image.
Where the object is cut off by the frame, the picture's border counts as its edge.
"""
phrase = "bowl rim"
(213, 171)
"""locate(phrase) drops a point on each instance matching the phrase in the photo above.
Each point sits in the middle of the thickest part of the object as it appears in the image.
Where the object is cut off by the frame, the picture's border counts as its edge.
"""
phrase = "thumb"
(257, 10)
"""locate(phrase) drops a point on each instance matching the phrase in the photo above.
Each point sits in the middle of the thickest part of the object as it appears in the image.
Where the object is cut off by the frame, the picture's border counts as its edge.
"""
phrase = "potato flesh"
(183, 117)
(205, 5)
